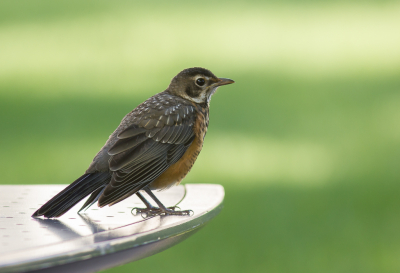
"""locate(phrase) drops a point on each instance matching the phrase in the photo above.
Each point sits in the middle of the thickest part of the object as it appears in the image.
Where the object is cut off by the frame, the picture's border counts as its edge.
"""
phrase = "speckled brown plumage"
(176, 172)
(154, 147)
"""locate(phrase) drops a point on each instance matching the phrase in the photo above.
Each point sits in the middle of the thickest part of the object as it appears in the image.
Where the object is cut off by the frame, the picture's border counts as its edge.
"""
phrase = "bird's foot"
(176, 211)
(155, 211)
(146, 212)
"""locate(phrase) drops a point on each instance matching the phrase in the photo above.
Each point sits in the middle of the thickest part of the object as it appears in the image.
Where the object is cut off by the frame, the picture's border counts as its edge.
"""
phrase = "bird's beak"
(224, 81)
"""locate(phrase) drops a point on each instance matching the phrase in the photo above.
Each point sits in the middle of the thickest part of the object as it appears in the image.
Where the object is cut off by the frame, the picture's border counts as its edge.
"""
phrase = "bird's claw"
(146, 212)
(154, 211)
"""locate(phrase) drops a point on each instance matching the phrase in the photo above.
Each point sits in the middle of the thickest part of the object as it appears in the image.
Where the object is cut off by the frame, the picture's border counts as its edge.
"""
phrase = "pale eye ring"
(200, 81)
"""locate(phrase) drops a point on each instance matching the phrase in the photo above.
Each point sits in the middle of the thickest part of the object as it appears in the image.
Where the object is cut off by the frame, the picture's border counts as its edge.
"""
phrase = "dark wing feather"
(147, 149)
(185, 135)
(126, 144)
(131, 131)
(120, 160)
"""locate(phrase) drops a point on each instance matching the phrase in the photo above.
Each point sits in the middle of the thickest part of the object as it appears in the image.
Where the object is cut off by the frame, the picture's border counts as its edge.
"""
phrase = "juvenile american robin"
(153, 148)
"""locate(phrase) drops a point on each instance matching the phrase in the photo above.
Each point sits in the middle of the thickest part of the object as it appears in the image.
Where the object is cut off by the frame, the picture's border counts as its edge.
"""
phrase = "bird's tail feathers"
(71, 195)
(93, 198)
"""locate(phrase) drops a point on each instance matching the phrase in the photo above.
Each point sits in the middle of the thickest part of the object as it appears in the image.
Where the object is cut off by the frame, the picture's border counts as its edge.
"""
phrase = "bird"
(153, 148)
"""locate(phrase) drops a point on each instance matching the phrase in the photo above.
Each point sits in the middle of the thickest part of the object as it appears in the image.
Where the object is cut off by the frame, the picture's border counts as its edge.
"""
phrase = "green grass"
(306, 142)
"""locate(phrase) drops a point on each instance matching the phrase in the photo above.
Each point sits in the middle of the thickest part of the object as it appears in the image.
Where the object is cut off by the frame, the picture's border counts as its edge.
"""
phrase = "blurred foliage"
(306, 142)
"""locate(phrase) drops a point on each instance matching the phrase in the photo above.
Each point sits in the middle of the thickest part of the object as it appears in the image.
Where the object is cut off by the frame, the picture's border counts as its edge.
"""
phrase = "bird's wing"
(147, 148)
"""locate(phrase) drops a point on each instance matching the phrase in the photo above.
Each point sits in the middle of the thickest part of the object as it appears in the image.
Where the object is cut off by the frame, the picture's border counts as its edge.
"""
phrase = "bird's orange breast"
(176, 172)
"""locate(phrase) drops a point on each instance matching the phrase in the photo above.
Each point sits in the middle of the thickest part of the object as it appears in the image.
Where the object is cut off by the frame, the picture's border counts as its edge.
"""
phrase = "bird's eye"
(200, 81)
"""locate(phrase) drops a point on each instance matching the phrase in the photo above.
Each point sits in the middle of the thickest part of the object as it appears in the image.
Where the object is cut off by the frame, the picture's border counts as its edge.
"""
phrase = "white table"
(98, 238)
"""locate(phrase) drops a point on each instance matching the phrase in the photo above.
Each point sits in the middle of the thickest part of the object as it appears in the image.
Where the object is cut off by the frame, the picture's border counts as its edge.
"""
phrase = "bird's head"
(196, 84)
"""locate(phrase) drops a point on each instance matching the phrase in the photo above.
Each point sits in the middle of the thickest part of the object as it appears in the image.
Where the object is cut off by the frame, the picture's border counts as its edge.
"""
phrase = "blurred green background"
(306, 142)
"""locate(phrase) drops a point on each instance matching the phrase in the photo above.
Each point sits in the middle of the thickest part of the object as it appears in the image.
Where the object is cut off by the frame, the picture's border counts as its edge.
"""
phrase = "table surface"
(28, 243)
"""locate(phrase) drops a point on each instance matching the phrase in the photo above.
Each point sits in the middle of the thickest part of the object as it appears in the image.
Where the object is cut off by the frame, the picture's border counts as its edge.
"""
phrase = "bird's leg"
(149, 210)
(144, 200)
(166, 211)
